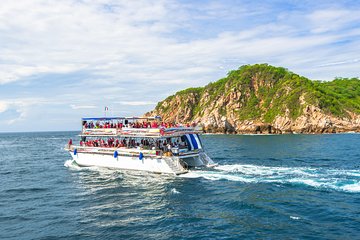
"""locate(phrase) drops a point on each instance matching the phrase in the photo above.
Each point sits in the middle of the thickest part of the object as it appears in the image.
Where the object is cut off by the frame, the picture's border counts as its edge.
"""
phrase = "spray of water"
(71, 164)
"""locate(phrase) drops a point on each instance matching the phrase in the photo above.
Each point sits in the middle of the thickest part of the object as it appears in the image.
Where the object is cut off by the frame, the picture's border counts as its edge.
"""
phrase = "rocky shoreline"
(312, 121)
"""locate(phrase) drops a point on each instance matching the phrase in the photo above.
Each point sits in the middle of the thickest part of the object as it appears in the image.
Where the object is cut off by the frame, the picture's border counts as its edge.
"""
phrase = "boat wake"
(334, 179)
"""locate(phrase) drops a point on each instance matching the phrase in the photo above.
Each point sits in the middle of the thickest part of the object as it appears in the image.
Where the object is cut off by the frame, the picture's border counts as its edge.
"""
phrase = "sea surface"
(265, 187)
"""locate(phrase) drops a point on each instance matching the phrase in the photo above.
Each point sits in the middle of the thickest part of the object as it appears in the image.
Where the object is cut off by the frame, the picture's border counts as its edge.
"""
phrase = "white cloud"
(332, 19)
(10, 73)
(137, 103)
(339, 63)
(20, 106)
(130, 41)
(82, 106)
(22, 115)
(3, 106)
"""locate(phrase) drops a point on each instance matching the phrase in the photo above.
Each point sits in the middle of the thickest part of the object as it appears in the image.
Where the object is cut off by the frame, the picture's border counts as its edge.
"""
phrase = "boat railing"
(147, 152)
(123, 150)
(141, 131)
(148, 132)
(100, 131)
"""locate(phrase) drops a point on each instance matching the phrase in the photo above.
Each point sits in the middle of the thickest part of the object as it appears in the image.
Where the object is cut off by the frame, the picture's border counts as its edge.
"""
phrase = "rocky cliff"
(265, 99)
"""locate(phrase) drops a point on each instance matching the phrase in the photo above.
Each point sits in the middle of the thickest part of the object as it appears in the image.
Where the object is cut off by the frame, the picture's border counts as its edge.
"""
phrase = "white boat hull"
(167, 165)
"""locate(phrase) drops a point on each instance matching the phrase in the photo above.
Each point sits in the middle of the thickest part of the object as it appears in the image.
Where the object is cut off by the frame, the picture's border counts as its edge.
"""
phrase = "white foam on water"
(354, 173)
(190, 175)
(71, 164)
(295, 218)
(335, 179)
(355, 187)
(212, 175)
(236, 178)
(266, 171)
(174, 191)
(309, 182)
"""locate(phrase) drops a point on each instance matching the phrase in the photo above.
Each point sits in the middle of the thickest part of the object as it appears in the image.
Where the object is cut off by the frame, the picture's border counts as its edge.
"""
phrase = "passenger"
(154, 125)
(169, 147)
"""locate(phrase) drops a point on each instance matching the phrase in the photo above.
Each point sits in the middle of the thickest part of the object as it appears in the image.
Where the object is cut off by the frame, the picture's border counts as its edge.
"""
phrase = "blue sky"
(61, 60)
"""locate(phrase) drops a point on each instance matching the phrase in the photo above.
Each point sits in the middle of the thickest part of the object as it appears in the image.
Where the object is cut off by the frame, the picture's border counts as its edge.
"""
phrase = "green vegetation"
(250, 109)
(197, 90)
(264, 92)
(339, 96)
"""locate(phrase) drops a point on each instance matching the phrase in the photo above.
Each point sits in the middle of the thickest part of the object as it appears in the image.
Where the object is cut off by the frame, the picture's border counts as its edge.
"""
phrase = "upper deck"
(135, 127)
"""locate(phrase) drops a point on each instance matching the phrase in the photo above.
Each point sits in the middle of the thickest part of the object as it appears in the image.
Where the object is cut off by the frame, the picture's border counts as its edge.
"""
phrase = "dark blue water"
(265, 187)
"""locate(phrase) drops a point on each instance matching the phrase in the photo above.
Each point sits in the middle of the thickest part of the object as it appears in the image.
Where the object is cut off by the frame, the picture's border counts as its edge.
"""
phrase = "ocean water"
(265, 187)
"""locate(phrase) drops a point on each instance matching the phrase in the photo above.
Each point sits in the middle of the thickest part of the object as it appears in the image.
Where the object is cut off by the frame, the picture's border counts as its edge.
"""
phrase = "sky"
(63, 60)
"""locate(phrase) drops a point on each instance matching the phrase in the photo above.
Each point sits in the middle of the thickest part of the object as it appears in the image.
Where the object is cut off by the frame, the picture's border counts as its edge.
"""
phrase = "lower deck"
(136, 159)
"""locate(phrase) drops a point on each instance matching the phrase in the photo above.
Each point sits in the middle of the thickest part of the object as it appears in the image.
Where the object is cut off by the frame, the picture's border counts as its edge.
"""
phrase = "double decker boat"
(139, 143)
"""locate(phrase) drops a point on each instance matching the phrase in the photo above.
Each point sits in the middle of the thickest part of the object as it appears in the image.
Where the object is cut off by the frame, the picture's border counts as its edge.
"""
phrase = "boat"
(139, 143)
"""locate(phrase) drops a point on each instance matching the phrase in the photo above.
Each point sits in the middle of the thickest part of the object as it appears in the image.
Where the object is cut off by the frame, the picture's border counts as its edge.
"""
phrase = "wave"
(174, 191)
(71, 164)
(334, 179)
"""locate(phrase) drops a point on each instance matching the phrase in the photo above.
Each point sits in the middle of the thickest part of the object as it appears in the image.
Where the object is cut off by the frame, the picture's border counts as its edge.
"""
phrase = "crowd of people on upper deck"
(110, 142)
(144, 124)
(164, 145)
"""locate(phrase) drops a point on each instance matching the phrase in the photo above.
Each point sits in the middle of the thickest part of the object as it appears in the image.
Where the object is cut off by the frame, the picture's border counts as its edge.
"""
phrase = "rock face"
(265, 99)
(314, 120)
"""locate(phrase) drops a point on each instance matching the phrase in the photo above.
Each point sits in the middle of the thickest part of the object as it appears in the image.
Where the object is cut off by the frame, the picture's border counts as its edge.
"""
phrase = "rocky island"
(265, 99)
